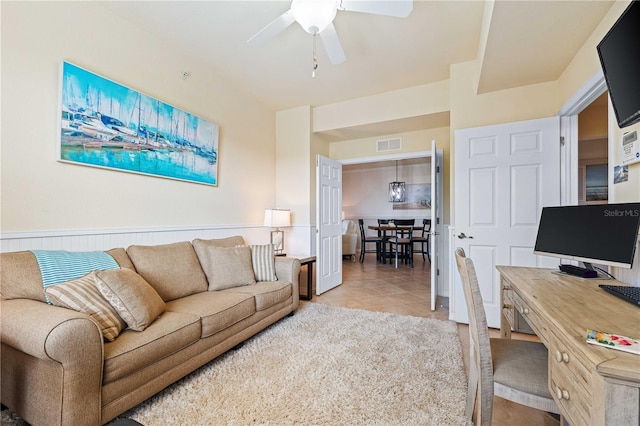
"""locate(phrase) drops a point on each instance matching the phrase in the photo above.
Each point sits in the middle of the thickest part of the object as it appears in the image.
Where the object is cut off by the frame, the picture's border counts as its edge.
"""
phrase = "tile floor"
(382, 288)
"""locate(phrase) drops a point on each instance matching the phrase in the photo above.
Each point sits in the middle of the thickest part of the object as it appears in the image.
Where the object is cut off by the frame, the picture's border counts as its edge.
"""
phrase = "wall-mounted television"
(619, 53)
(604, 234)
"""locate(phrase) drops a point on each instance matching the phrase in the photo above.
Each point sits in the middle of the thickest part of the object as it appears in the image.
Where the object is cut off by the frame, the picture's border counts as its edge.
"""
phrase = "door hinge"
(438, 272)
(438, 169)
(437, 221)
(561, 140)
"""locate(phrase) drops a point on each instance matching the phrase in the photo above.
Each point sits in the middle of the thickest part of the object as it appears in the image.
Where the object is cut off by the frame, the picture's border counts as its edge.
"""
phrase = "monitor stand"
(586, 272)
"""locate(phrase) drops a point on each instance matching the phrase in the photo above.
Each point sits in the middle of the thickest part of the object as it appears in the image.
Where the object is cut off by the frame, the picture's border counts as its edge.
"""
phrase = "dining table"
(389, 228)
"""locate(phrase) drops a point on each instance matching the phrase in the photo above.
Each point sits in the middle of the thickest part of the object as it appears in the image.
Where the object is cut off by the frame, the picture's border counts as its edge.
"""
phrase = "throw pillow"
(82, 295)
(172, 270)
(135, 300)
(262, 258)
(226, 267)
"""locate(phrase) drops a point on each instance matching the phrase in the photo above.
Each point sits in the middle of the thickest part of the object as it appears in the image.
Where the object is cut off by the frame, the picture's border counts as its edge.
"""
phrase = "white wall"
(41, 194)
(365, 190)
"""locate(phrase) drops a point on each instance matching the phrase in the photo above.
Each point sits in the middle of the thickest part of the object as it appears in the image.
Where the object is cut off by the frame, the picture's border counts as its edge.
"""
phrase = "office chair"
(516, 370)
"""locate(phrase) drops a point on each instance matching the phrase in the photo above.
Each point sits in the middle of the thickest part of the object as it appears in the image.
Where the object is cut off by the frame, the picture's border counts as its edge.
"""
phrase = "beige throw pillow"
(82, 295)
(226, 267)
(135, 300)
(172, 270)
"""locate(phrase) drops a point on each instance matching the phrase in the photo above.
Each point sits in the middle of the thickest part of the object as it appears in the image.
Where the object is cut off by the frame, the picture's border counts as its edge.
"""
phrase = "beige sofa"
(59, 369)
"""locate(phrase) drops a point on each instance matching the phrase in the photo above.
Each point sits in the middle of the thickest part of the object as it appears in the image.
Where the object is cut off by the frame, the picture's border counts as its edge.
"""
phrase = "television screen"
(604, 234)
(619, 53)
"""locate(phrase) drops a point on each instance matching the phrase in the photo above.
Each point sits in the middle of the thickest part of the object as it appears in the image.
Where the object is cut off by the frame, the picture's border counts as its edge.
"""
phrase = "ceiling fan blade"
(332, 45)
(273, 29)
(397, 8)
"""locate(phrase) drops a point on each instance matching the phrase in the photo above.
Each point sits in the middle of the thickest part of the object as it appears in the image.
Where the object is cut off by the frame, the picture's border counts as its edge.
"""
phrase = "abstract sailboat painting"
(105, 124)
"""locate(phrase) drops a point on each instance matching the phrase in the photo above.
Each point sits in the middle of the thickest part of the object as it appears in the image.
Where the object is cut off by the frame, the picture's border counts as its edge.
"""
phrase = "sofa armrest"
(288, 269)
(69, 347)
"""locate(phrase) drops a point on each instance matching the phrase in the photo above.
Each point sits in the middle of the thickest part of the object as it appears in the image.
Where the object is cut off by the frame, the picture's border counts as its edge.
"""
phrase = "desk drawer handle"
(507, 306)
(562, 394)
(524, 311)
(562, 357)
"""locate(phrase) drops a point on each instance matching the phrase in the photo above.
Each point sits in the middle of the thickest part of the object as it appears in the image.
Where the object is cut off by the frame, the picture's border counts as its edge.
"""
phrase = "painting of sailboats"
(105, 124)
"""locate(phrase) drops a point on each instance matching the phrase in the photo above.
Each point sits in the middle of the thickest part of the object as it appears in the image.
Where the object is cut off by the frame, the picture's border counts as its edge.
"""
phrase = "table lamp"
(275, 218)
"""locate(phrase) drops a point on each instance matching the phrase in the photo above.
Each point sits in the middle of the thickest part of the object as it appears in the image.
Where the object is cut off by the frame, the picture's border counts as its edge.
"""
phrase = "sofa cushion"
(20, 276)
(217, 310)
(266, 293)
(262, 259)
(172, 270)
(226, 267)
(135, 300)
(234, 241)
(82, 295)
(132, 351)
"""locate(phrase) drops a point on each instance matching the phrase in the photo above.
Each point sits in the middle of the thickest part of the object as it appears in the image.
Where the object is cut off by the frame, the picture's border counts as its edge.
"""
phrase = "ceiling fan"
(316, 17)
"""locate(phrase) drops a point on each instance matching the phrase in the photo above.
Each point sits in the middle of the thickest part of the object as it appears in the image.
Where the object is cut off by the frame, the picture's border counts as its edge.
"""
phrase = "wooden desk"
(592, 385)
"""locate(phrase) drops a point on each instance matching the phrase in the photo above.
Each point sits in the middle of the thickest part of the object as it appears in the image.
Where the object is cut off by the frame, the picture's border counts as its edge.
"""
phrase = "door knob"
(463, 236)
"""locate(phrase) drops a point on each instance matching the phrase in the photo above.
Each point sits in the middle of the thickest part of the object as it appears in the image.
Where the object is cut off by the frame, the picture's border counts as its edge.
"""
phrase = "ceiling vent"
(394, 144)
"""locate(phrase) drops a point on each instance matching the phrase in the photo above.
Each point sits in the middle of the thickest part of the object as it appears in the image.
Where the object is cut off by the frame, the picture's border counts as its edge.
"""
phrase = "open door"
(329, 224)
(504, 175)
(435, 220)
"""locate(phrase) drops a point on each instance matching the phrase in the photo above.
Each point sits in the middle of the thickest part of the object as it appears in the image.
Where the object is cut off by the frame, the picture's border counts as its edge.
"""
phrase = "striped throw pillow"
(264, 267)
(82, 295)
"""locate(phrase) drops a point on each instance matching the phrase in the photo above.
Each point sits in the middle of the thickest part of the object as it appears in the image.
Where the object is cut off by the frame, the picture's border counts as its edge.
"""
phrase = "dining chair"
(516, 370)
(384, 253)
(364, 239)
(423, 239)
(402, 247)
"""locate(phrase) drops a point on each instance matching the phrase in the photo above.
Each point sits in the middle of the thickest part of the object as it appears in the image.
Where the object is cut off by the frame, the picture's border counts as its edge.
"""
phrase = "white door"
(435, 176)
(504, 175)
(329, 223)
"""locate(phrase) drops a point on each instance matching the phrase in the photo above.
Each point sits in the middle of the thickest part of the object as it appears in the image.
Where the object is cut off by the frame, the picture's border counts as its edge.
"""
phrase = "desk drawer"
(574, 401)
(529, 315)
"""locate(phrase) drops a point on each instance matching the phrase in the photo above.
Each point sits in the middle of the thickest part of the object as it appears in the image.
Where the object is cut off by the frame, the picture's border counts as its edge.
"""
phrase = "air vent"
(394, 144)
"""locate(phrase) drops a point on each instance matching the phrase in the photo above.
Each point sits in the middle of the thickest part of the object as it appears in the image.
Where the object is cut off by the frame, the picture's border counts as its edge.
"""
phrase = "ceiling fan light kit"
(316, 17)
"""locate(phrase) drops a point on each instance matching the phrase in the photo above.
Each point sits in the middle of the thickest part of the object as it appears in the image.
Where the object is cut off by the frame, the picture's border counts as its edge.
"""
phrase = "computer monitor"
(605, 234)
(619, 53)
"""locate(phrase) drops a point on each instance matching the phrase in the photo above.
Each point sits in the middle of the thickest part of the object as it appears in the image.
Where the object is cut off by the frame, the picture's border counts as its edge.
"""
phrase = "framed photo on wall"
(418, 197)
(108, 125)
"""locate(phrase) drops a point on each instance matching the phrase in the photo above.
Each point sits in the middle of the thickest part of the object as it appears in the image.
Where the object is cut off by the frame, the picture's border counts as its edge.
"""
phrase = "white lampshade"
(314, 15)
(275, 218)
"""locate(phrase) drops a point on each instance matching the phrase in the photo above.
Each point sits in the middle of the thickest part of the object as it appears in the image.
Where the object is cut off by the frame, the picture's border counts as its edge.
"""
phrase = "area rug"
(325, 365)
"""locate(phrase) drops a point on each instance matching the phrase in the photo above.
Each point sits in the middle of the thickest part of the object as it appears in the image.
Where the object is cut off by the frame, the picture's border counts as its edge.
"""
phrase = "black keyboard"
(628, 293)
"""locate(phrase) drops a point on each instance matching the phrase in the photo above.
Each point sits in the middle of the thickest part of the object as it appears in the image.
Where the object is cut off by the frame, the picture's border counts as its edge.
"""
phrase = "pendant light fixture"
(397, 190)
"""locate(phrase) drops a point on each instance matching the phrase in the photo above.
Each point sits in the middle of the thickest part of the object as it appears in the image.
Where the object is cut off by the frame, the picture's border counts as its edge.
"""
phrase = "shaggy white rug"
(325, 366)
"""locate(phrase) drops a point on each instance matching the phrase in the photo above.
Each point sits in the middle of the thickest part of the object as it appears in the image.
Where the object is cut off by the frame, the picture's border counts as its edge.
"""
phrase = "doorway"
(593, 152)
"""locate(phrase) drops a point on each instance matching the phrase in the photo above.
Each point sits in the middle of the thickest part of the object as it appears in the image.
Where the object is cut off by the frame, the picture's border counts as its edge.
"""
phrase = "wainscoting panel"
(90, 240)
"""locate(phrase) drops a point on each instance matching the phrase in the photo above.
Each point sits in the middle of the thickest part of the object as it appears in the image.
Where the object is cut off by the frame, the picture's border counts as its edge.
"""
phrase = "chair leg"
(472, 390)
(362, 249)
(410, 250)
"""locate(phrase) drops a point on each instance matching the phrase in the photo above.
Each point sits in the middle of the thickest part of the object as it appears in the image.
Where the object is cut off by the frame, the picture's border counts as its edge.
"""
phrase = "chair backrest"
(361, 226)
(426, 226)
(405, 222)
(481, 364)
(382, 222)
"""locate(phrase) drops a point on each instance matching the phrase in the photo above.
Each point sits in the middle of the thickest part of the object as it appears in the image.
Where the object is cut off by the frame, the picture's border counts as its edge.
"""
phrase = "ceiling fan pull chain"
(315, 59)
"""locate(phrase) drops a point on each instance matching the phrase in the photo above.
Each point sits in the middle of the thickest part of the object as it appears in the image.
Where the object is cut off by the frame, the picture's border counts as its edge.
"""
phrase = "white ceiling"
(527, 42)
